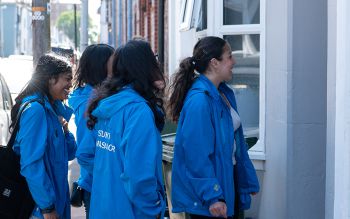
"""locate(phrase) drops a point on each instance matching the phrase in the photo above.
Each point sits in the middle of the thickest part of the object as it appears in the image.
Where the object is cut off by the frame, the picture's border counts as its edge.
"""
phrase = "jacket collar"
(60, 108)
(202, 83)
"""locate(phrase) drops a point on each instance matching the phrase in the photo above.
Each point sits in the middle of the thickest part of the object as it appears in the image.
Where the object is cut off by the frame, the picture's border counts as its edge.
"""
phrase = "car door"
(5, 112)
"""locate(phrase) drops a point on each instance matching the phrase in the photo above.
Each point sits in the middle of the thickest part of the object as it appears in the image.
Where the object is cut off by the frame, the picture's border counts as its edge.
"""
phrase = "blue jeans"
(86, 201)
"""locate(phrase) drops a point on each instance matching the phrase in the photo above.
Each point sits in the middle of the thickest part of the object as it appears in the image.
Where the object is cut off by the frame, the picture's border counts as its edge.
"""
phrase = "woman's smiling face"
(59, 87)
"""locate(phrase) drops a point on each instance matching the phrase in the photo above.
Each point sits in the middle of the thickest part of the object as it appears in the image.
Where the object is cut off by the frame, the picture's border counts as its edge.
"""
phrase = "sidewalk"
(78, 213)
(73, 174)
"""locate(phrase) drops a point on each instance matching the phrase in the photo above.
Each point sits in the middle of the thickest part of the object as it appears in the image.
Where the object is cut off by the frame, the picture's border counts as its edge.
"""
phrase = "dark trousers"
(194, 216)
(86, 201)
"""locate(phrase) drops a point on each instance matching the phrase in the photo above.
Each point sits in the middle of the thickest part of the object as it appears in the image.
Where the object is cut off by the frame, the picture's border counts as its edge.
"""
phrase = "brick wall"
(145, 23)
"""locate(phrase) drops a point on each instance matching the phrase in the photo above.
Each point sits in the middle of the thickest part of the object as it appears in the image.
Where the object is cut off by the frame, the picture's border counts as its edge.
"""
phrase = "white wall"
(278, 78)
(338, 122)
(307, 153)
(180, 43)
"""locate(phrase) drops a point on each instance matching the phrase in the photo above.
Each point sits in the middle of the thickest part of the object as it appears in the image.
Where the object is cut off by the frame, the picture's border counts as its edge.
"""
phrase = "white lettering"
(105, 146)
(37, 16)
(104, 134)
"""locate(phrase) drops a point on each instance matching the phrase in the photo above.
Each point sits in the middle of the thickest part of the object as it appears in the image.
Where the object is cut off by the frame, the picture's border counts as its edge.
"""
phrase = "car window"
(17, 72)
(1, 97)
(7, 100)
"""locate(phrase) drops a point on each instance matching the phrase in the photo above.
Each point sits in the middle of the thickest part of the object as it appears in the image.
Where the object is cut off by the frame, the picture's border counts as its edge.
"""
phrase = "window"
(245, 81)
(199, 15)
(7, 100)
(241, 24)
(2, 105)
(241, 12)
(186, 14)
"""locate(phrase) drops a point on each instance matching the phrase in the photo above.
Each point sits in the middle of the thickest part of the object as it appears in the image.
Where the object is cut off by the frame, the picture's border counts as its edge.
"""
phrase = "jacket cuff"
(212, 201)
(47, 210)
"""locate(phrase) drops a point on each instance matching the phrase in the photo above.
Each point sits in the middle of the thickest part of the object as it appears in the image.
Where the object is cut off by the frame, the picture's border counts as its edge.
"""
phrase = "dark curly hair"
(134, 64)
(49, 66)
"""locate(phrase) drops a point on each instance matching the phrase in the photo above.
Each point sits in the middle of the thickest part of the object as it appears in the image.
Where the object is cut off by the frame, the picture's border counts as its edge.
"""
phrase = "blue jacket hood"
(112, 104)
(79, 96)
(203, 84)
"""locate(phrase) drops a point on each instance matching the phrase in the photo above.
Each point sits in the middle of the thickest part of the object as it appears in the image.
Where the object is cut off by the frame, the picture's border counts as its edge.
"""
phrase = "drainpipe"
(120, 22)
(161, 32)
(129, 19)
(84, 19)
(75, 28)
(114, 23)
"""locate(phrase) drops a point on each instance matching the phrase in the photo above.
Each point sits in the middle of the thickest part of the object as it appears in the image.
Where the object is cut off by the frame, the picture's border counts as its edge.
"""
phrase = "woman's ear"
(214, 63)
(52, 81)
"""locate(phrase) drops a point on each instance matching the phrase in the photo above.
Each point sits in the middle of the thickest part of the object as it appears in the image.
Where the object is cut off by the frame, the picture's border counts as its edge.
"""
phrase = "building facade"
(136, 18)
(292, 86)
(15, 27)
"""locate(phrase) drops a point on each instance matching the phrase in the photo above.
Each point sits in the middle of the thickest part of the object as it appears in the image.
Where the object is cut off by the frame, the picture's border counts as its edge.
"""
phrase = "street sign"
(37, 16)
(72, 2)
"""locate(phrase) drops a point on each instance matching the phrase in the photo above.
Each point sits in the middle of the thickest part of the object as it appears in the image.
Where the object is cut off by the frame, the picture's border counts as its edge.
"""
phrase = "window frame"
(186, 13)
(215, 27)
(219, 29)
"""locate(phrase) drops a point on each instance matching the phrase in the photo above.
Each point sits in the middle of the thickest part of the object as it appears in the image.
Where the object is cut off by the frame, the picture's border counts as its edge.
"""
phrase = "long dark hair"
(205, 49)
(49, 66)
(134, 64)
(92, 68)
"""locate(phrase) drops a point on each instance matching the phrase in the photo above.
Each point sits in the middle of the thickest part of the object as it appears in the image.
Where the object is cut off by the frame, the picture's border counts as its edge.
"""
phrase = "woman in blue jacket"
(94, 66)
(209, 147)
(126, 116)
(43, 141)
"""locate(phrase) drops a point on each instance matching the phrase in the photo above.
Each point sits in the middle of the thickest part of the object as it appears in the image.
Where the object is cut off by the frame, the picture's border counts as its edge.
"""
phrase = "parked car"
(17, 71)
(5, 111)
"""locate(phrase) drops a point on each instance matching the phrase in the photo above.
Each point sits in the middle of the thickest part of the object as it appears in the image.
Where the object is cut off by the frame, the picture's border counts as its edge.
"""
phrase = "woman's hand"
(64, 124)
(218, 209)
(51, 215)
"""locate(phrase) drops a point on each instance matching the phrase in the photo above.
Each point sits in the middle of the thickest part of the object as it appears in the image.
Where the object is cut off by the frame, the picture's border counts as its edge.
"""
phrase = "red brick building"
(140, 18)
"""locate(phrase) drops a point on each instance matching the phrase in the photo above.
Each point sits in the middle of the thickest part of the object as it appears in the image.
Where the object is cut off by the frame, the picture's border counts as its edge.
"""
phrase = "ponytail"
(182, 82)
(204, 50)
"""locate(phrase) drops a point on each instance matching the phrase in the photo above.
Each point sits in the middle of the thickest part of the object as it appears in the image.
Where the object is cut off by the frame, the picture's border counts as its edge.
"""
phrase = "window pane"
(245, 80)
(241, 12)
(184, 11)
(199, 15)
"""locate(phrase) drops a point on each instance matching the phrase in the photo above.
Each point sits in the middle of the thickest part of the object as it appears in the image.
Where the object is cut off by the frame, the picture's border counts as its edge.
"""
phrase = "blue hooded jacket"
(202, 171)
(78, 100)
(126, 161)
(44, 151)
